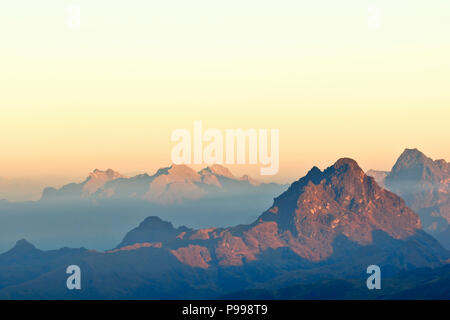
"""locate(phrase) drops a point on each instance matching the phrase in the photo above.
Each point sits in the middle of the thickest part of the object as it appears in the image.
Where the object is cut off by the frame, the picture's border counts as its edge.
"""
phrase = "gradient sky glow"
(109, 95)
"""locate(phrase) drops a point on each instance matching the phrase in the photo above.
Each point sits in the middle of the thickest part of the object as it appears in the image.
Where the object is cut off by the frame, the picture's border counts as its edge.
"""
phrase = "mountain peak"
(340, 200)
(413, 165)
(217, 170)
(345, 171)
(154, 222)
(424, 184)
(23, 247)
(98, 178)
(181, 172)
(152, 229)
(412, 155)
(412, 151)
(109, 173)
(346, 164)
(411, 158)
(221, 171)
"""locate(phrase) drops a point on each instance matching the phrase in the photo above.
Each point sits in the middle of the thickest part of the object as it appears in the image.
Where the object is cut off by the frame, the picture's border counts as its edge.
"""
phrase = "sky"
(106, 88)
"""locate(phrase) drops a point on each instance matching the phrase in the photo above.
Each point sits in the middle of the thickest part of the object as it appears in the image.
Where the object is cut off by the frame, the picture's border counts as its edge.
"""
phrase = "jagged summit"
(152, 229)
(414, 167)
(411, 158)
(346, 163)
(183, 171)
(98, 178)
(412, 153)
(343, 171)
(425, 186)
(169, 185)
(340, 200)
(250, 180)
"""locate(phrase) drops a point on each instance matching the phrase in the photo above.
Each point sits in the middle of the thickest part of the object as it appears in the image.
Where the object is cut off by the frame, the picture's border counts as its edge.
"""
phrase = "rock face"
(425, 186)
(152, 229)
(175, 185)
(22, 248)
(201, 199)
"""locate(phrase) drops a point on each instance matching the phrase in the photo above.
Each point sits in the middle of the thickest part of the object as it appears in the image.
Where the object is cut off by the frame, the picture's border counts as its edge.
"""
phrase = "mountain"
(153, 230)
(330, 224)
(73, 191)
(425, 185)
(340, 200)
(110, 204)
(180, 183)
(171, 185)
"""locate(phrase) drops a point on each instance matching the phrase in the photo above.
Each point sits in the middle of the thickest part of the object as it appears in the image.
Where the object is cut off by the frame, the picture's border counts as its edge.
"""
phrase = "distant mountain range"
(424, 184)
(172, 185)
(324, 231)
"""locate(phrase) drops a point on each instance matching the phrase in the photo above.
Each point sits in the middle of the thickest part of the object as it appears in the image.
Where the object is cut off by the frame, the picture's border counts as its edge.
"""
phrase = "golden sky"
(110, 93)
